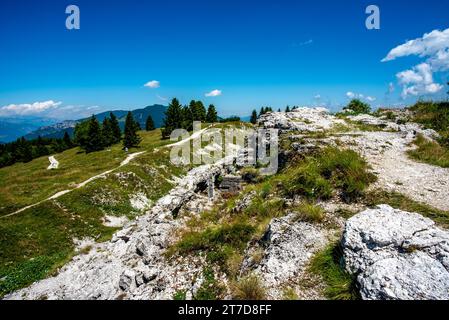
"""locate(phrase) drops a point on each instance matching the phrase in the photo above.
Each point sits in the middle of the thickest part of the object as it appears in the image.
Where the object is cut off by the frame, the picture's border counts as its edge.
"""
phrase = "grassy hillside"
(35, 242)
(433, 115)
(23, 184)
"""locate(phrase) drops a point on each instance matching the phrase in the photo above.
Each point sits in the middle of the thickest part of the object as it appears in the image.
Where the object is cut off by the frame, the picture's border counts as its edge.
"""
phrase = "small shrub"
(265, 191)
(250, 175)
(289, 294)
(249, 288)
(356, 106)
(180, 295)
(307, 181)
(235, 235)
(430, 152)
(340, 285)
(210, 289)
(265, 208)
(310, 212)
(318, 176)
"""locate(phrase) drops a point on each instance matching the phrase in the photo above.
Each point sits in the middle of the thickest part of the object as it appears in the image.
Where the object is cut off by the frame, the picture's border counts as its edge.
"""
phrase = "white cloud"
(214, 93)
(318, 96)
(418, 80)
(434, 47)
(353, 95)
(26, 109)
(50, 109)
(153, 84)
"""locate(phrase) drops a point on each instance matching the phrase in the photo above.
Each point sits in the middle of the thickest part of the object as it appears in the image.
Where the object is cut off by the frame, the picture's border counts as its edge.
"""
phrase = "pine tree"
(94, 137)
(131, 138)
(211, 116)
(67, 141)
(287, 109)
(201, 111)
(24, 151)
(115, 128)
(173, 118)
(253, 119)
(149, 124)
(198, 110)
(107, 132)
(187, 118)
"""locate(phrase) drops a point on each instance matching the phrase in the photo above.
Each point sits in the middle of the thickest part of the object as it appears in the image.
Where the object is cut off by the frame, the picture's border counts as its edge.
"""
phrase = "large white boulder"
(397, 255)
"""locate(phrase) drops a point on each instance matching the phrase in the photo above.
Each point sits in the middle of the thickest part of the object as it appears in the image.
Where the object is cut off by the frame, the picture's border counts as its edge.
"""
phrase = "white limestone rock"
(288, 247)
(397, 255)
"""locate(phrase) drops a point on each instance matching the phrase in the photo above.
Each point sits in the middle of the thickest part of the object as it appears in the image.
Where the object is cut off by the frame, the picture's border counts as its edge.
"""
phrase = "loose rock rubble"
(397, 255)
(288, 245)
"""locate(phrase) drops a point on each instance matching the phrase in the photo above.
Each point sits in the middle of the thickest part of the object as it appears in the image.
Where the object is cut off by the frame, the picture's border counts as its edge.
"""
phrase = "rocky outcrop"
(410, 127)
(397, 255)
(300, 119)
(133, 265)
(284, 252)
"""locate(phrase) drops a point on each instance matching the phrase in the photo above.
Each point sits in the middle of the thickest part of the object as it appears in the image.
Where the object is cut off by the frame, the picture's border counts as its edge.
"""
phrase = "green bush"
(316, 177)
(249, 288)
(309, 212)
(219, 241)
(210, 289)
(430, 152)
(180, 295)
(433, 115)
(356, 106)
(340, 285)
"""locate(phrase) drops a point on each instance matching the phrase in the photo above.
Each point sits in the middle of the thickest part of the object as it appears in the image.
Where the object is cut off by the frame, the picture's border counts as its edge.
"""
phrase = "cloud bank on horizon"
(49, 109)
(434, 47)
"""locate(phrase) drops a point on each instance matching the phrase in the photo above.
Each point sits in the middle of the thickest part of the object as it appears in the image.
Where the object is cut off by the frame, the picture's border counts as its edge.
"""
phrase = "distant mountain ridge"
(57, 130)
(13, 128)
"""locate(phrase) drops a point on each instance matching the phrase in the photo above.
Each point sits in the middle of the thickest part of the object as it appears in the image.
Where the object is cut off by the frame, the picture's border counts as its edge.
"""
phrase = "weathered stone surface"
(410, 127)
(133, 261)
(288, 246)
(397, 255)
(301, 119)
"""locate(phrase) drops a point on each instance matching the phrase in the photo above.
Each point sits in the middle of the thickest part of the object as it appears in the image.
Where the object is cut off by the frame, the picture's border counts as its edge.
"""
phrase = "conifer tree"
(115, 128)
(67, 141)
(94, 137)
(131, 138)
(253, 119)
(211, 116)
(201, 111)
(149, 124)
(187, 118)
(107, 132)
(173, 118)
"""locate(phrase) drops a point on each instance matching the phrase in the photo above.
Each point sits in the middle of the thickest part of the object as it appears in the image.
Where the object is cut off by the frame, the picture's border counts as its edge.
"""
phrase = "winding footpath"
(80, 185)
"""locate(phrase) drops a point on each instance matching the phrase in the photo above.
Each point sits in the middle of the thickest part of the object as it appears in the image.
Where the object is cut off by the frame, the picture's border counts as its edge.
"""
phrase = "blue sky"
(255, 52)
